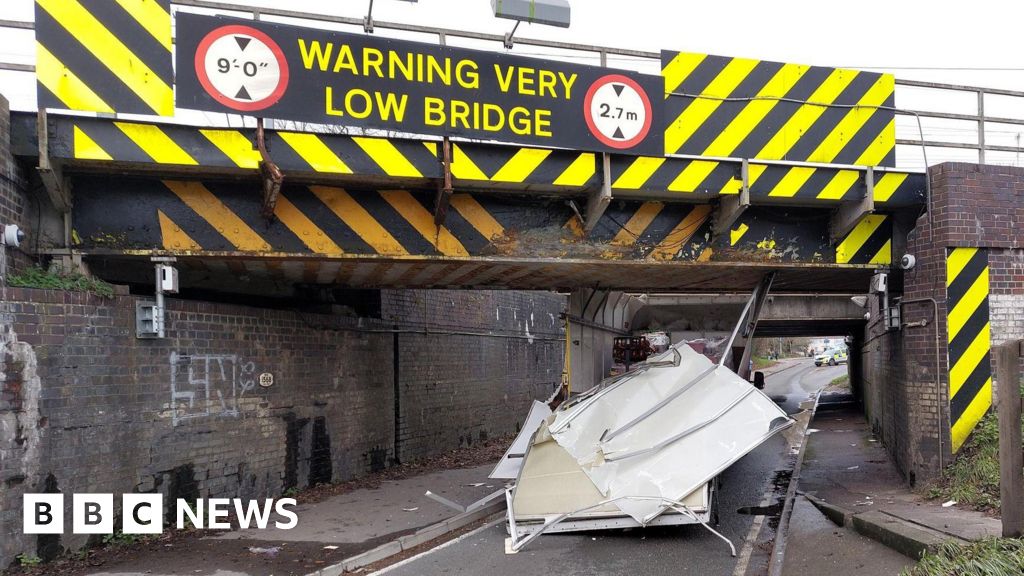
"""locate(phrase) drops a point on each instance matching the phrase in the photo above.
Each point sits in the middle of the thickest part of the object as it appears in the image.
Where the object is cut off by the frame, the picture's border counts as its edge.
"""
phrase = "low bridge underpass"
(597, 317)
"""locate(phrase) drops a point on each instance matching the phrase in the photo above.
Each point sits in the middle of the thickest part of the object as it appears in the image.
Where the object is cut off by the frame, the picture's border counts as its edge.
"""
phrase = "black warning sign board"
(328, 77)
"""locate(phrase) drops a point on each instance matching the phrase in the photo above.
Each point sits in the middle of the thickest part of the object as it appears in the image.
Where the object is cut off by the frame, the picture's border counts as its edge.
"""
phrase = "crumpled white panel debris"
(736, 418)
(512, 461)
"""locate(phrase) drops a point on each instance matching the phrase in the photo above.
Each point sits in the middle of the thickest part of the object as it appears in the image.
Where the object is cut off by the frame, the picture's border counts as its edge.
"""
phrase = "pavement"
(848, 477)
(397, 507)
(817, 546)
(328, 532)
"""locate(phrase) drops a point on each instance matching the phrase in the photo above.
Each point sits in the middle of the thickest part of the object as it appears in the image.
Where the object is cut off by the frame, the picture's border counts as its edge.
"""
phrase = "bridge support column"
(595, 318)
(928, 383)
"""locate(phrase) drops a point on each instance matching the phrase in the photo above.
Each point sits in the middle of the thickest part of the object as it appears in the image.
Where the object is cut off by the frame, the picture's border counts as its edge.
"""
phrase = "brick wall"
(13, 185)
(1006, 302)
(88, 407)
(907, 404)
(522, 359)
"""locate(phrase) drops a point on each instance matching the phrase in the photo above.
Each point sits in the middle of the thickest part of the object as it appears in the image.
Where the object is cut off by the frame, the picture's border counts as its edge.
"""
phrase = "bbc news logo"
(144, 513)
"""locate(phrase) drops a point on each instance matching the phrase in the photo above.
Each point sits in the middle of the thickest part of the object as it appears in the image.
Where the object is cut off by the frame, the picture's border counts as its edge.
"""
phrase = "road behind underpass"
(659, 550)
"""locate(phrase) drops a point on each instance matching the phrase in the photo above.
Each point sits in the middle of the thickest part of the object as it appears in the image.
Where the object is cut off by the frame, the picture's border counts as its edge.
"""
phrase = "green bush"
(29, 560)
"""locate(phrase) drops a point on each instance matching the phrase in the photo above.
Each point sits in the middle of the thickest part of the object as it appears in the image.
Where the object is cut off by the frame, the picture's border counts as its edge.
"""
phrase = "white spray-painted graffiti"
(209, 384)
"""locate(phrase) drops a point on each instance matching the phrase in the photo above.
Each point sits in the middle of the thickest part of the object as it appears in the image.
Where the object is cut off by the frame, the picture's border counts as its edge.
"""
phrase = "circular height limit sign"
(618, 111)
(242, 68)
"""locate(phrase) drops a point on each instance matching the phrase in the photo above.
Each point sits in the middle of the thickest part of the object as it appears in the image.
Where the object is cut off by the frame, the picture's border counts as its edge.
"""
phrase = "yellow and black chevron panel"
(515, 165)
(105, 56)
(224, 216)
(185, 216)
(133, 142)
(687, 177)
(897, 189)
(788, 183)
(969, 338)
(774, 183)
(92, 139)
(96, 139)
(648, 230)
(870, 242)
(743, 108)
(340, 154)
(803, 184)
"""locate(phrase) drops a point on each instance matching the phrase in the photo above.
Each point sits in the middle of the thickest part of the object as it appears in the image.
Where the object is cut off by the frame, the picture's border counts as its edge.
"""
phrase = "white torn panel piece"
(655, 436)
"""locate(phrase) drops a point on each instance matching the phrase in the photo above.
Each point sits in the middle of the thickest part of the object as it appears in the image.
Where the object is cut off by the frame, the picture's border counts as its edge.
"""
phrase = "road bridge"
(754, 169)
(733, 167)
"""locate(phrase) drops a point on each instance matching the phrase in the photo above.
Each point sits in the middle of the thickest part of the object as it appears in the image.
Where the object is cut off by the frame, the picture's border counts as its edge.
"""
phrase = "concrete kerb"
(421, 536)
(906, 537)
(778, 556)
(838, 515)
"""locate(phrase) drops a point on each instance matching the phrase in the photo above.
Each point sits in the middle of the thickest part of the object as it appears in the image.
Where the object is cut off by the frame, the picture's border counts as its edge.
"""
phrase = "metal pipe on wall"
(938, 375)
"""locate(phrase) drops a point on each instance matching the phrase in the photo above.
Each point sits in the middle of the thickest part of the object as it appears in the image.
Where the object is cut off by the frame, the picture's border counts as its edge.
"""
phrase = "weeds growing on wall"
(36, 277)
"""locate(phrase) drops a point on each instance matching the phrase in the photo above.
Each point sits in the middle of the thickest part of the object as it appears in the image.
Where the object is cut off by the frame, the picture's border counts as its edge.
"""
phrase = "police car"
(831, 357)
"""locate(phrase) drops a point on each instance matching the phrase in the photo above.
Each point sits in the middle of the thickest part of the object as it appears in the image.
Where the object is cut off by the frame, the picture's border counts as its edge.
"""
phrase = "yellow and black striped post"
(105, 56)
(967, 322)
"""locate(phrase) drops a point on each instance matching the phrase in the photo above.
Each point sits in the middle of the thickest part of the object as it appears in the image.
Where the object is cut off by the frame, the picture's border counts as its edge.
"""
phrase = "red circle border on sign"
(648, 119)
(204, 79)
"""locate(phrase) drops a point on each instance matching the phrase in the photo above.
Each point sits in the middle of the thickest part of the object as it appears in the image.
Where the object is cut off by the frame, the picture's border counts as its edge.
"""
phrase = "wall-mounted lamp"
(11, 236)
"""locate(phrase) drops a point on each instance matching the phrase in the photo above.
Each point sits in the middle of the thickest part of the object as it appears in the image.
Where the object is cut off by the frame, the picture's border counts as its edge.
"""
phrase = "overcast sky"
(975, 43)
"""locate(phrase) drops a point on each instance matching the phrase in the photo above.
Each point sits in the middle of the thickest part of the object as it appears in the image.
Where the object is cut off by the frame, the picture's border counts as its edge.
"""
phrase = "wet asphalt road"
(651, 551)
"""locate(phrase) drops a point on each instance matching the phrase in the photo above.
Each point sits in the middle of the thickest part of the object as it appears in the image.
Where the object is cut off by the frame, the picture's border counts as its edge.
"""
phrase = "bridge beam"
(58, 186)
(730, 208)
(850, 213)
(599, 199)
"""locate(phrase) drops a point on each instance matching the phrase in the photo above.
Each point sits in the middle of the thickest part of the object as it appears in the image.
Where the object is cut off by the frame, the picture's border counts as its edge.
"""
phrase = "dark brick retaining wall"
(87, 407)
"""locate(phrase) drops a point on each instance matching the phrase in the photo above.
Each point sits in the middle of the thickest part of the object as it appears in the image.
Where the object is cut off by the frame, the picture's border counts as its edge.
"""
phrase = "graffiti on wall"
(209, 384)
